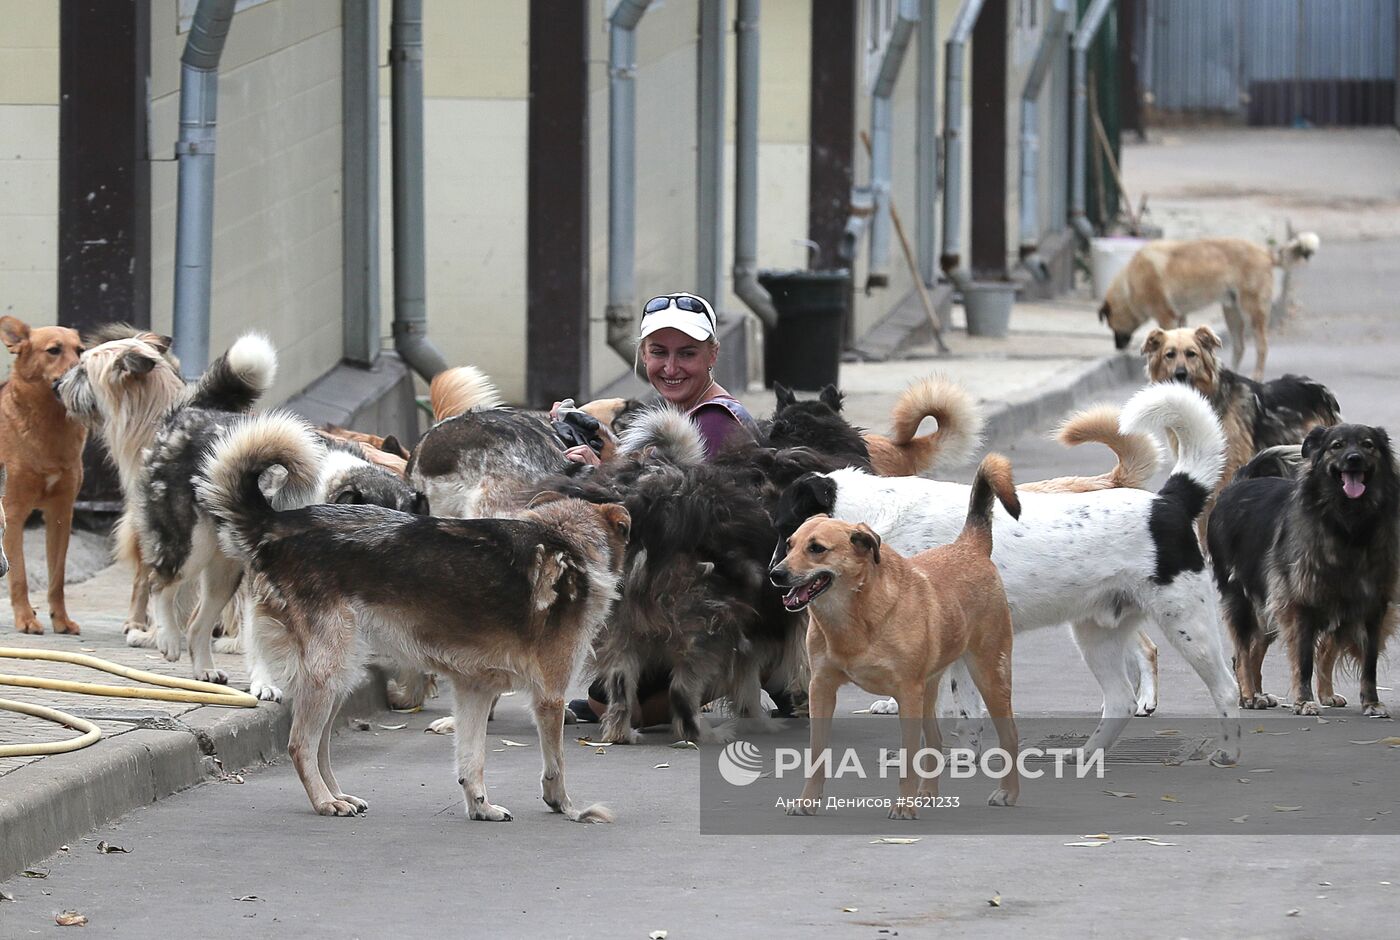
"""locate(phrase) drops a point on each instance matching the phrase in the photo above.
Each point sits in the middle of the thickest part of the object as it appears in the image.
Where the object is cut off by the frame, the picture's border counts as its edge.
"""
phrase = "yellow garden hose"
(172, 689)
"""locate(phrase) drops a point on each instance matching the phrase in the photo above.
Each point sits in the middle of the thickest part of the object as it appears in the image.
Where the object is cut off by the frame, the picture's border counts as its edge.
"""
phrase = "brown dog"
(893, 625)
(42, 448)
(1166, 280)
(1254, 415)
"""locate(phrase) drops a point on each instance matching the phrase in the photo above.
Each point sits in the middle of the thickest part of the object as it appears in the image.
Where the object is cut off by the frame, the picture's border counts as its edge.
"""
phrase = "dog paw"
(216, 676)
(619, 734)
(65, 625)
(1260, 701)
(1306, 708)
(446, 725)
(264, 692)
(489, 812)
(1332, 701)
(903, 810)
(141, 638)
(168, 643)
(337, 807)
(1001, 797)
(360, 805)
(803, 807)
(1145, 708)
(1375, 710)
(137, 626)
(884, 706)
(28, 624)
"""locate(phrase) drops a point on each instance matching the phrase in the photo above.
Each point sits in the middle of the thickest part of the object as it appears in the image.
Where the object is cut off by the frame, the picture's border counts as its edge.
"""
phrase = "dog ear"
(1105, 312)
(545, 497)
(348, 497)
(391, 445)
(14, 332)
(1314, 440)
(866, 539)
(419, 505)
(784, 395)
(832, 398)
(1206, 338)
(132, 361)
(1154, 341)
(618, 517)
(160, 343)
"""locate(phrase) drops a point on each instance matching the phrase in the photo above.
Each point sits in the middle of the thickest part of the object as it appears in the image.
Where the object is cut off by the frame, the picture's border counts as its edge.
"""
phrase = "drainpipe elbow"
(413, 346)
(755, 296)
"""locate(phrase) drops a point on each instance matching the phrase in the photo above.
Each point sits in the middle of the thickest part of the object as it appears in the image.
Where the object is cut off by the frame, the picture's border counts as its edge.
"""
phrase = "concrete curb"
(58, 799)
(1008, 421)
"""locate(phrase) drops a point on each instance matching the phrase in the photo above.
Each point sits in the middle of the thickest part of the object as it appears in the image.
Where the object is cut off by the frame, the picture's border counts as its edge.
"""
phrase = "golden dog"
(1166, 280)
(892, 625)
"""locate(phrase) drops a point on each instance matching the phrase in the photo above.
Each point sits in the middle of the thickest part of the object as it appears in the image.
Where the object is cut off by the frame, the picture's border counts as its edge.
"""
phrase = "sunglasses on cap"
(681, 302)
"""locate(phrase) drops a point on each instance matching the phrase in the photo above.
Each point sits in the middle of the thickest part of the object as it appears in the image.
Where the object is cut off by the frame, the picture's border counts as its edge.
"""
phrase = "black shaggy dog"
(816, 424)
(1315, 558)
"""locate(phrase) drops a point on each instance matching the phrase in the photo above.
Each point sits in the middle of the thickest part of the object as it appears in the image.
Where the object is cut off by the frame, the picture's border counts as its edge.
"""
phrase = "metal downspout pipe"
(926, 186)
(410, 251)
(1029, 197)
(745, 270)
(194, 223)
(622, 175)
(1079, 128)
(882, 143)
(954, 64)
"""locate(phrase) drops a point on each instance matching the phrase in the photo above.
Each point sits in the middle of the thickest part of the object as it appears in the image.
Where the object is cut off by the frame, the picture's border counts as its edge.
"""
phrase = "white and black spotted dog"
(1106, 562)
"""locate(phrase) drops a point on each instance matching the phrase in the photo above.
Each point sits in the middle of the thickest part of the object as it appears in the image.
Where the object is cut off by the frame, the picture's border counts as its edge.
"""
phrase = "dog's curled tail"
(959, 429)
(1138, 454)
(272, 454)
(1300, 247)
(239, 377)
(993, 482)
(668, 434)
(462, 389)
(1181, 410)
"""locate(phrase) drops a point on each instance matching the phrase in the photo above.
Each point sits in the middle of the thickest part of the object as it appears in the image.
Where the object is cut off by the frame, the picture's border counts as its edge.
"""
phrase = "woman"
(677, 347)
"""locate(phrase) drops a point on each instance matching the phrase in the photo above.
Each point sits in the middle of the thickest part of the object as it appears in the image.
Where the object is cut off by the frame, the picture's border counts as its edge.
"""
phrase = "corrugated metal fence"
(1272, 61)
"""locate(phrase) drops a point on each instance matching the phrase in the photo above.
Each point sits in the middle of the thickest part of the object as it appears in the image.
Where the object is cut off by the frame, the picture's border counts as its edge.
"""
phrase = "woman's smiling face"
(677, 366)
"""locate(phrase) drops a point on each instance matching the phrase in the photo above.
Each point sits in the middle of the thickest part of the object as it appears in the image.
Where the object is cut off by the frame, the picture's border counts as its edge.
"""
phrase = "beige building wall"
(277, 202)
(28, 163)
(475, 135)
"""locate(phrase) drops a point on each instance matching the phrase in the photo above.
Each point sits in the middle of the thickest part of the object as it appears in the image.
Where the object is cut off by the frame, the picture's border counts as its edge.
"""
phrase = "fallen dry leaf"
(392, 727)
(106, 848)
(994, 901)
(1121, 795)
(408, 711)
(1166, 731)
(860, 711)
(659, 766)
(88, 649)
(248, 897)
(850, 910)
(657, 935)
(1098, 835)
(1243, 779)
(892, 840)
(35, 873)
(70, 919)
(1263, 770)
(1239, 819)
(509, 743)
(1148, 839)
(1324, 884)
(1176, 822)
(1386, 883)
(1293, 913)
(1168, 798)
(5, 895)
(1287, 809)
(587, 743)
(1086, 845)
(685, 746)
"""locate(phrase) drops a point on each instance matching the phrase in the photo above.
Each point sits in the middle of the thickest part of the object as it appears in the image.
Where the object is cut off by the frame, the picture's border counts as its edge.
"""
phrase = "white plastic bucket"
(1108, 256)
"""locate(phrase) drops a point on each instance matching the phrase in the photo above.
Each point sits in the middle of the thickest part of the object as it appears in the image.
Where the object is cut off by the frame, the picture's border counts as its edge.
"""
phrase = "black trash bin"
(804, 350)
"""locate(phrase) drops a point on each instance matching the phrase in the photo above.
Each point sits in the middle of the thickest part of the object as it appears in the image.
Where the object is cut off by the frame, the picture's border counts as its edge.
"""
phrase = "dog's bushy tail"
(274, 454)
(238, 378)
(993, 482)
(959, 429)
(1138, 454)
(1281, 460)
(667, 433)
(1300, 247)
(1169, 406)
(462, 389)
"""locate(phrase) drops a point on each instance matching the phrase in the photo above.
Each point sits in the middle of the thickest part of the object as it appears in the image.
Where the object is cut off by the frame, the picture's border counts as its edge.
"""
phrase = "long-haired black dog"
(1314, 558)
